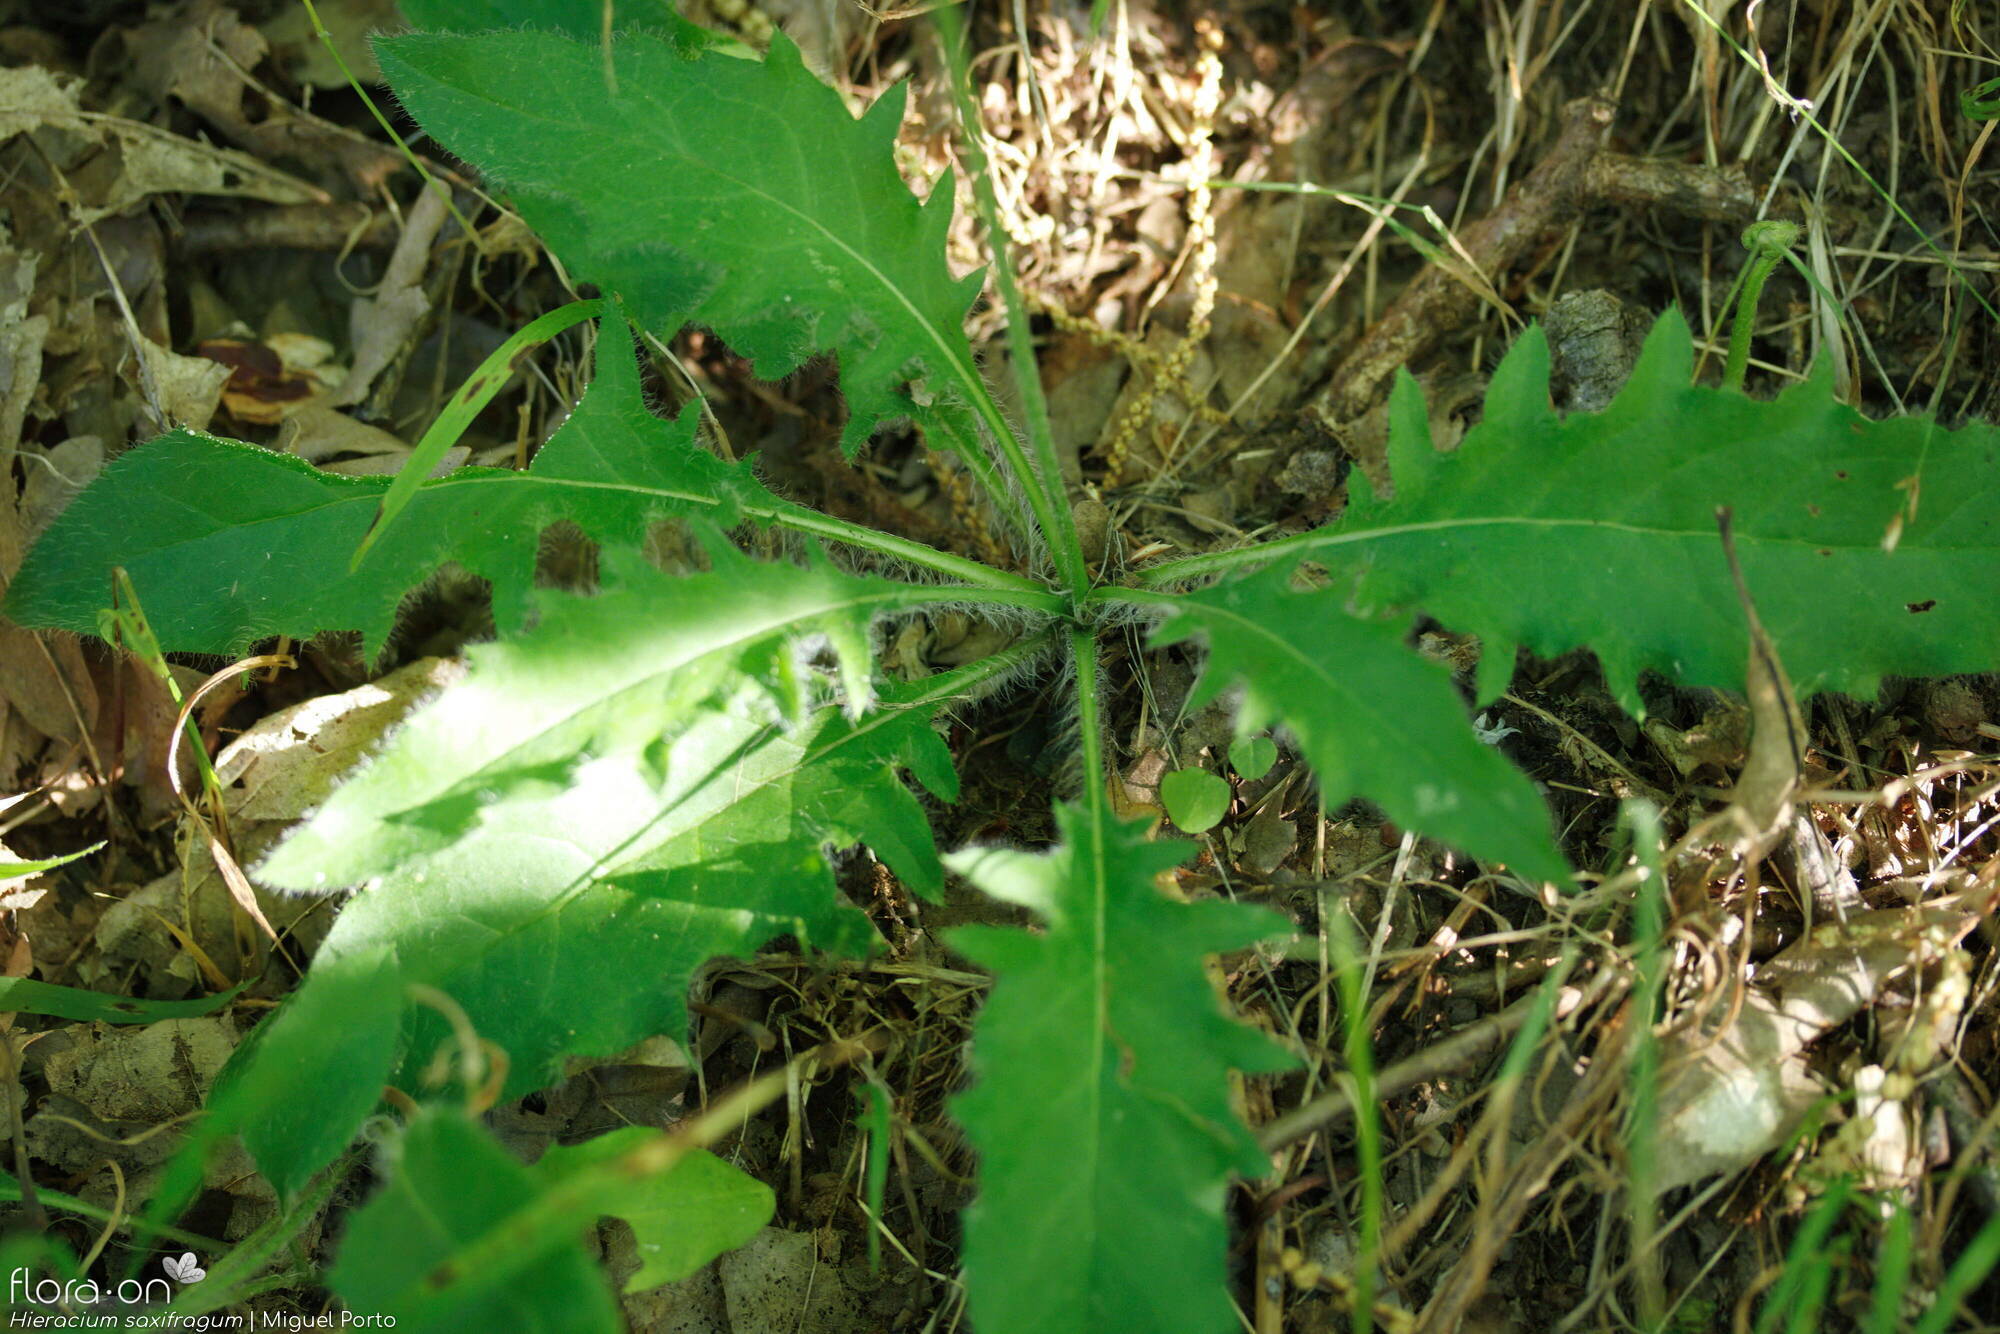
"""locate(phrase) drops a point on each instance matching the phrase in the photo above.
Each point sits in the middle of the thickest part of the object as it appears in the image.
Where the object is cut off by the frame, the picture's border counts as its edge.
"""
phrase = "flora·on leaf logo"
(186, 1269)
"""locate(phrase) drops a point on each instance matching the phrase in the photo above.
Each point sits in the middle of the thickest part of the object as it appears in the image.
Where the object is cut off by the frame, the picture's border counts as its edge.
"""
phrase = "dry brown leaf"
(188, 389)
(150, 160)
(1726, 1098)
(48, 683)
(384, 327)
(272, 380)
(203, 54)
(316, 432)
(290, 762)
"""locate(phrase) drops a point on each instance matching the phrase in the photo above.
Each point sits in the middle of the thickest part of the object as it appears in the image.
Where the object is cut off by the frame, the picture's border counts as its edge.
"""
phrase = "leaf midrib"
(890, 596)
(966, 375)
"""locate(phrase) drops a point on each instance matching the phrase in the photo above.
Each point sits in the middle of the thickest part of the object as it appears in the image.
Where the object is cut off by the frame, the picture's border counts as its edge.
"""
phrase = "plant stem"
(1042, 478)
(977, 573)
(1649, 922)
(1138, 597)
(1090, 726)
(430, 181)
(1359, 1054)
(962, 681)
(1767, 243)
(972, 452)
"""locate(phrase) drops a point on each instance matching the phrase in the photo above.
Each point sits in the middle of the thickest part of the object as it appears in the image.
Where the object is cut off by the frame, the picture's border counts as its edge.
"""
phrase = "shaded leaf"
(740, 195)
(18, 870)
(24, 995)
(680, 1220)
(1103, 1209)
(582, 19)
(449, 1184)
(1253, 756)
(463, 1237)
(1195, 799)
(1371, 717)
(227, 543)
(617, 794)
(349, 1027)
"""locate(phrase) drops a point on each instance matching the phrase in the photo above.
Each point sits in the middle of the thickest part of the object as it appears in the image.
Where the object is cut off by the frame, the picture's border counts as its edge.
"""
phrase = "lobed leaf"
(1871, 546)
(1101, 1105)
(1372, 718)
(1598, 530)
(227, 543)
(740, 195)
(615, 795)
(596, 684)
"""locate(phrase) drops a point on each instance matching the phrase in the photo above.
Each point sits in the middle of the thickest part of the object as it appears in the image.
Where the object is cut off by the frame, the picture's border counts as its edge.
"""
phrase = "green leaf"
(228, 544)
(11, 1193)
(448, 1185)
(1371, 717)
(24, 995)
(463, 1237)
(739, 195)
(1598, 530)
(1195, 799)
(13, 870)
(579, 18)
(336, 1036)
(1253, 756)
(680, 1220)
(348, 1025)
(596, 684)
(1981, 101)
(1102, 1209)
(617, 794)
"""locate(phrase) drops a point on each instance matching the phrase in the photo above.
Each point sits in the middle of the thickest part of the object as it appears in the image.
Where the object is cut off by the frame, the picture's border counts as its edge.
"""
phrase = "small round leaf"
(1195, 798)
(1253, 756)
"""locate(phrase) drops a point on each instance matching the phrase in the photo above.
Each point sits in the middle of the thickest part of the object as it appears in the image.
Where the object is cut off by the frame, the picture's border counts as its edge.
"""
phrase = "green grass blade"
(471, 398)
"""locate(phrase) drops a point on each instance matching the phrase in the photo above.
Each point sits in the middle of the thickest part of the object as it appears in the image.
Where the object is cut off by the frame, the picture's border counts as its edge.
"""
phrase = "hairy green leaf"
(1870, 546)
(227, 543)
(597, 683)
(1101, 1103)
(579, 18)
(351, 1027)
(12, 870)
(740, 195)
(449, 1184)
(1372, 718)
(1598, 530)
(617, 794)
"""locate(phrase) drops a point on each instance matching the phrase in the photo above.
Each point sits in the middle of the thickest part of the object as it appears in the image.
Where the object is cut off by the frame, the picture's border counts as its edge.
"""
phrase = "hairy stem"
(1767, 243)
(977, 573)
(971, 451)
(1041, 478)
